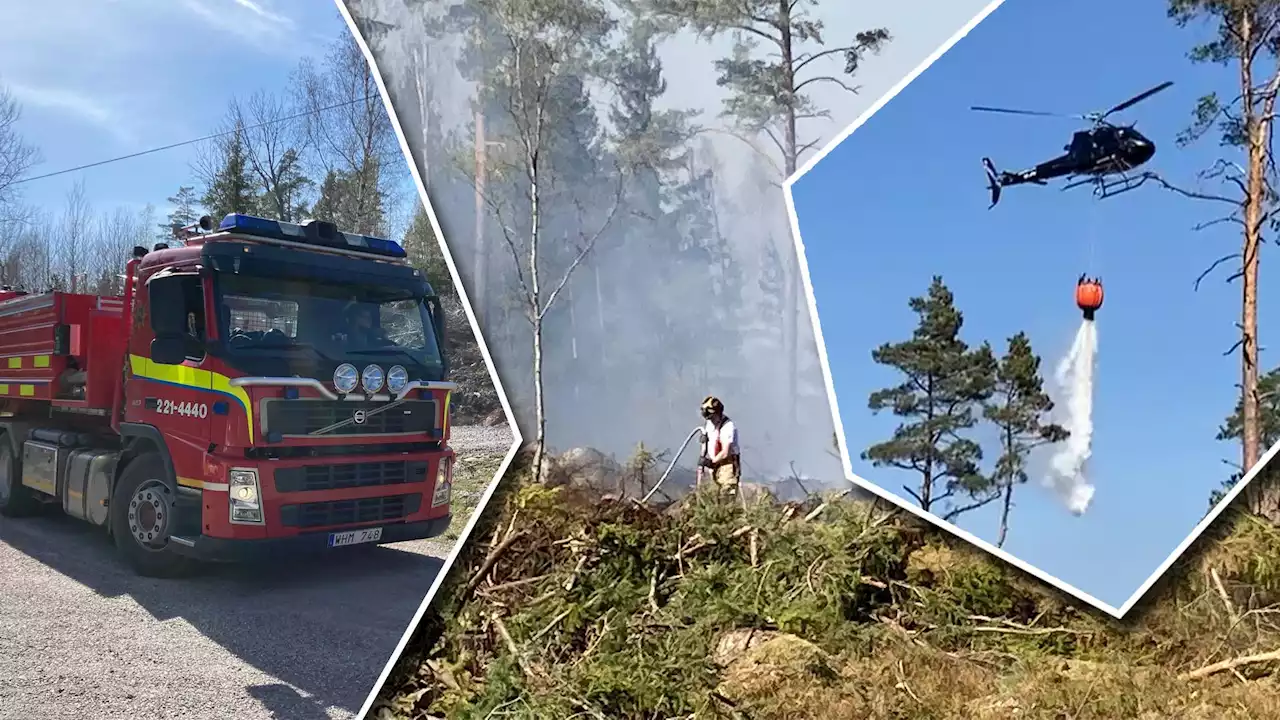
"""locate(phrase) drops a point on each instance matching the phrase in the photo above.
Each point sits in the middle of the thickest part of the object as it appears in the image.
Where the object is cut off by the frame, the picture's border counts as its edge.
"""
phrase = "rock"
(494, 419)
(936, 561)
(994, 708)
(584, 468)
(779, 660)
(755, 492)
(733, 644)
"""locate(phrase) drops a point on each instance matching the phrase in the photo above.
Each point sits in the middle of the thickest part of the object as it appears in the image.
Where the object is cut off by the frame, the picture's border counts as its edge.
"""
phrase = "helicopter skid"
(1105, 188)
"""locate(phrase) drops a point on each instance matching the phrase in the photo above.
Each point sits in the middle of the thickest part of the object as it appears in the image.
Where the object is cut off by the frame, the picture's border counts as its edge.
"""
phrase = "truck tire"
(141, 516)
(16, 499)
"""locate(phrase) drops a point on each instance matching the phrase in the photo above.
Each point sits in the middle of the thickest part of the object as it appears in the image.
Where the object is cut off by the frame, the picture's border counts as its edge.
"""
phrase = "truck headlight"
(371, 379)
(397, 378)
(246, 498)
(346, 377)
(444, 483)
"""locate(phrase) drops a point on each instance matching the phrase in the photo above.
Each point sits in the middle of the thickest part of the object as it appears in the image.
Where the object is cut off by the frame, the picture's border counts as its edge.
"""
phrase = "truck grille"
(303, 417)
(350, 475)
(349, 512)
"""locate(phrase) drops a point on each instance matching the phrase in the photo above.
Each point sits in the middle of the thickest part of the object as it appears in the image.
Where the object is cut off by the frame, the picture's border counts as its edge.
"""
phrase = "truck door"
(175, 392)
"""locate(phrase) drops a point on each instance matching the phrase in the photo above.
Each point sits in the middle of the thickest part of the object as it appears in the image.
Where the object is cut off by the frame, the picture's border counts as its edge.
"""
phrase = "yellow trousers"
(726, 478)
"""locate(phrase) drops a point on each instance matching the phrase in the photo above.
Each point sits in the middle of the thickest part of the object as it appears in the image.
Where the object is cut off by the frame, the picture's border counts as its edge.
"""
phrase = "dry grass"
(472, 474)
(567, 606)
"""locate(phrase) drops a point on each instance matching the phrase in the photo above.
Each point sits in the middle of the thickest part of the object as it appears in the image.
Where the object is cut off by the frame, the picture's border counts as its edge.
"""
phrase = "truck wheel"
(16, 499)
(142, 515)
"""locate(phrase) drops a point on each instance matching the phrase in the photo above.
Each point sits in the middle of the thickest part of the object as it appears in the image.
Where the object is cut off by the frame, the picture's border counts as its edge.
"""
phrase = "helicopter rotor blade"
(1008, 111)
(1136, 99)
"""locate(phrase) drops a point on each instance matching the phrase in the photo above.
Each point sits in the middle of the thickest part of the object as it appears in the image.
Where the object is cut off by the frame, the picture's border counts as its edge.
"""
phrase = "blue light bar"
(313, 232)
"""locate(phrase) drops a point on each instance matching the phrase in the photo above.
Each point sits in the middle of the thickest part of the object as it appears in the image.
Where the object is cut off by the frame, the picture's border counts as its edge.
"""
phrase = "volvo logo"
(358, 418)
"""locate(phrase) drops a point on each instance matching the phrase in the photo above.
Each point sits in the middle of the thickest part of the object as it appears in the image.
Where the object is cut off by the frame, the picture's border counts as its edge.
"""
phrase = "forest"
(610, 230)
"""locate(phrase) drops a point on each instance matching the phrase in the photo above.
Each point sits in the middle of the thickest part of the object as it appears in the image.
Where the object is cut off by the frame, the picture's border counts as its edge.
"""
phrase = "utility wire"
(206, 138)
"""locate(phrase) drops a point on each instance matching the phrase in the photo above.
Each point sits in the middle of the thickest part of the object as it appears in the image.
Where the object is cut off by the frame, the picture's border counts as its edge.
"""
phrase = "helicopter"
(1094, 157)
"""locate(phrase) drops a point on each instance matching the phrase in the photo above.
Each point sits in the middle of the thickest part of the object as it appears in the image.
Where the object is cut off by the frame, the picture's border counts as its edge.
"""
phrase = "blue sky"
(99, 79)
(904, 198)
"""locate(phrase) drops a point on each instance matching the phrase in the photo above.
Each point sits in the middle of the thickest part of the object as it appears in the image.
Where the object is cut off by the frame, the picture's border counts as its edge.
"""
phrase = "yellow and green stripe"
(192, 378)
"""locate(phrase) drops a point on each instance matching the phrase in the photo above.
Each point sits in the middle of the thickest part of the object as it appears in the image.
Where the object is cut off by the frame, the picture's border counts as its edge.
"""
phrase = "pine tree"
(666, 220)
(780, 54)
(547, 185)
(944, 383)
(231, 189)
(285, 190)
(184, 212)
(332, 201)
(1018, 408)
(424, 252)
(1242, 35)
(1269, 421)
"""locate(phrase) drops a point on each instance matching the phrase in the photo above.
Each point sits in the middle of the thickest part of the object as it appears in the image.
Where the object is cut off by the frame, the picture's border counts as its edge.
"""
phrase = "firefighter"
(720, 447)
(362, 329)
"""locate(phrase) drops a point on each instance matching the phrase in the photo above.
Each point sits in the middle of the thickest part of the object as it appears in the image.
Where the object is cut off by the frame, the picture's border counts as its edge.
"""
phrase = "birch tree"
(535, 54)
(349, 135)
(17, 157)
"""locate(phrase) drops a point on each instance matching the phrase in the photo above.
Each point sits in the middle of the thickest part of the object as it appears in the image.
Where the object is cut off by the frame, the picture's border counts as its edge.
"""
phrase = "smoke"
(1067, 473)
(670, 305)
(647, 325)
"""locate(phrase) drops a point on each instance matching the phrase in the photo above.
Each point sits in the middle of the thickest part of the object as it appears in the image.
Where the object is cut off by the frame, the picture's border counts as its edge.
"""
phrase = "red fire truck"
(261, 389)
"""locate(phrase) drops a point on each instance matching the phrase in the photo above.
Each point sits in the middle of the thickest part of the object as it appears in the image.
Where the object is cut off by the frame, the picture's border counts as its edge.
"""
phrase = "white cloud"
(79, 105)
(244, 18)
(263, 13)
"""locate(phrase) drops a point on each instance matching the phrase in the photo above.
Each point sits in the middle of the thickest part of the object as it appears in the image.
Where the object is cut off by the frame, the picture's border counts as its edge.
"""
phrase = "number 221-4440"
(185, 409)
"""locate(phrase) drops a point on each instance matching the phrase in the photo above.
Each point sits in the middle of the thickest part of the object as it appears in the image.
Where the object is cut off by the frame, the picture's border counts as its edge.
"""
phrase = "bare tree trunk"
(1004, 514)
(1262, 500)
(926, 490)
(424, 100)
(791, 284)
(1252, 441)
(479, 303)
(573, 336)
(539, 405)
(604, 343)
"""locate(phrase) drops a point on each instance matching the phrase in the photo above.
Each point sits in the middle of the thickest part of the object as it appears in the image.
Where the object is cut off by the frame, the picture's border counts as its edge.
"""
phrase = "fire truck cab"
(261, 389)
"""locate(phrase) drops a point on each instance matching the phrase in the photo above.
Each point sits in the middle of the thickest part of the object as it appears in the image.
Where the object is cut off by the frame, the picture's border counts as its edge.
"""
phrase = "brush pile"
(566, 604)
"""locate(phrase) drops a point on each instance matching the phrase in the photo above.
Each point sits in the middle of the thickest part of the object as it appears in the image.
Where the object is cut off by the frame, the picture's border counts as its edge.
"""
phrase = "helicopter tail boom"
(993, 181)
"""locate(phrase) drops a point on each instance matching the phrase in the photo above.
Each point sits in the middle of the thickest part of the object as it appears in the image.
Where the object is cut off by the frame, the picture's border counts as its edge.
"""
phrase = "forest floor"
(566, 604)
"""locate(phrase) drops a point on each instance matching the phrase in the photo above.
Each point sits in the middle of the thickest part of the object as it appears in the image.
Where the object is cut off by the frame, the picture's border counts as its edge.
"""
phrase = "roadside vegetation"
(472, 475)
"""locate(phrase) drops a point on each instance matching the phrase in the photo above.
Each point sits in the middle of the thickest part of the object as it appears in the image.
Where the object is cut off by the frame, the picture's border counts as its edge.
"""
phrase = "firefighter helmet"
(712, 406)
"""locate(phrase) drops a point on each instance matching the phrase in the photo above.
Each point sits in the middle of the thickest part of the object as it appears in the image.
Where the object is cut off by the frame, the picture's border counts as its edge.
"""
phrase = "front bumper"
(212, 549)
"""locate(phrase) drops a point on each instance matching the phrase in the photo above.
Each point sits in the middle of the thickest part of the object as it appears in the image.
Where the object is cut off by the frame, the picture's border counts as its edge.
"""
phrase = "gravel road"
(81, 636)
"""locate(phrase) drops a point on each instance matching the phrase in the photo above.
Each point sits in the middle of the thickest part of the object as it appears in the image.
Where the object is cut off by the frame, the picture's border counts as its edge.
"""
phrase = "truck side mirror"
(168, 304)
(169, 350)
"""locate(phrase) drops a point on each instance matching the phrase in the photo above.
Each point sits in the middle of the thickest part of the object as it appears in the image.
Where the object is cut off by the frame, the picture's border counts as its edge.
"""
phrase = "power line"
(206, 138)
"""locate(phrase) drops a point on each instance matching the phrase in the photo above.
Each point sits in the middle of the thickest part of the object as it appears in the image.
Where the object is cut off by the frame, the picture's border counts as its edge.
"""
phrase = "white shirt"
(727, 433)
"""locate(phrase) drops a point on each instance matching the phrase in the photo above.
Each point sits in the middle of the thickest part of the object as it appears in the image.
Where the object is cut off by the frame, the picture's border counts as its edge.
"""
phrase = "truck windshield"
(332, 323)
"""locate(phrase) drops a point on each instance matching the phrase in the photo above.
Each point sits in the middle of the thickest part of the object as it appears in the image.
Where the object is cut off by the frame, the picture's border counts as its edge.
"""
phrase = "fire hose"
(696, 432)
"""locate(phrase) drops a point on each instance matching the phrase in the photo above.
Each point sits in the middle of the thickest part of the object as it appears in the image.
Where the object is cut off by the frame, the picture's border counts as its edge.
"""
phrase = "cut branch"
(1232, 664)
